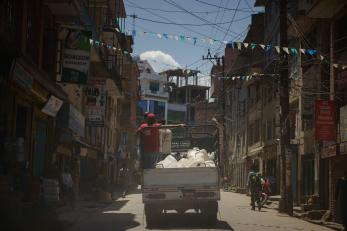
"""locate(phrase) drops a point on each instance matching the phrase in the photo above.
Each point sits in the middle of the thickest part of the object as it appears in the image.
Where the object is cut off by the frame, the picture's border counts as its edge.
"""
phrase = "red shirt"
(150, 137)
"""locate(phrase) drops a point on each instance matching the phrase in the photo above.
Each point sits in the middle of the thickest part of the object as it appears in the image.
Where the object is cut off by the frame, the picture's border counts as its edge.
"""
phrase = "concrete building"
(153, 92)
(56, 115)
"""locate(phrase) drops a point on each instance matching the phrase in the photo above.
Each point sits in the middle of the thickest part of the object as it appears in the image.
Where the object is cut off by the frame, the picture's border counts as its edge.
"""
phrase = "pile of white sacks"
(194, 158)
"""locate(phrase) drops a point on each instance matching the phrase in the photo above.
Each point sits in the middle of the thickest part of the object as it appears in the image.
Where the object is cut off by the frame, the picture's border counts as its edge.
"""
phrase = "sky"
(165, 53)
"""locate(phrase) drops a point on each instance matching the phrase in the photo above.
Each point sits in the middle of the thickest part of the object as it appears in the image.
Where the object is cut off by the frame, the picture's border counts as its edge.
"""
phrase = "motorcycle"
(265, 192)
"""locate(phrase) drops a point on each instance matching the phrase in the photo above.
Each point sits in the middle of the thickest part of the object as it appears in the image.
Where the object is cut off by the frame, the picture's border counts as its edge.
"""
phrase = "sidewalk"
(333, 225)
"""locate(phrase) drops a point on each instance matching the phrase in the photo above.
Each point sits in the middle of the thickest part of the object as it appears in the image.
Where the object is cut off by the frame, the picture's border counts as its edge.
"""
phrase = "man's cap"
(150, 115)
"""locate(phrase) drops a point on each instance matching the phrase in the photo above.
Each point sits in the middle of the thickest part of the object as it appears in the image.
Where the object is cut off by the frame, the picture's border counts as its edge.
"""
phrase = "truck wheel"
(152, 214)
(212, 219)
(149, 216)
(211, 211)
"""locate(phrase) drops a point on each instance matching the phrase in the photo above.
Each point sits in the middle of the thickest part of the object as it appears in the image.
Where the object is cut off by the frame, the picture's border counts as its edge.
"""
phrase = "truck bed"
(180, 177)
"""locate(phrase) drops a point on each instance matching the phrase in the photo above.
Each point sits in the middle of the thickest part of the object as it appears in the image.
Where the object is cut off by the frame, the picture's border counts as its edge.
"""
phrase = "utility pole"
(218, 59)
(221, 133)
(134, 16)
(286, 202)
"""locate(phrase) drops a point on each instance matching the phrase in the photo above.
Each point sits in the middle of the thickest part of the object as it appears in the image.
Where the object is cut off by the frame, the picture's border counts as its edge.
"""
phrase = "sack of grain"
(168, 162)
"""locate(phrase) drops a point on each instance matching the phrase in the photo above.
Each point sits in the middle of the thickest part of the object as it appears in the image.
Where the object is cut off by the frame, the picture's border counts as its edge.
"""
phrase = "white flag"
(286, 49)
(278, 49)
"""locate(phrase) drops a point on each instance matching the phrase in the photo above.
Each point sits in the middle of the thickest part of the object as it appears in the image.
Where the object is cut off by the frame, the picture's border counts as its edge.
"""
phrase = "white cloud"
(159, 60)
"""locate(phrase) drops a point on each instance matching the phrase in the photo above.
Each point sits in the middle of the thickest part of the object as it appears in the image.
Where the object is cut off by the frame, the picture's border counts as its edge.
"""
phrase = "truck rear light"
(204, 194)
(156, 196)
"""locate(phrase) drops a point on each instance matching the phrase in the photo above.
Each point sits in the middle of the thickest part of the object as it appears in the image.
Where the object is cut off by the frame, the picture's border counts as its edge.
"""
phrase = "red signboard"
(325, 120)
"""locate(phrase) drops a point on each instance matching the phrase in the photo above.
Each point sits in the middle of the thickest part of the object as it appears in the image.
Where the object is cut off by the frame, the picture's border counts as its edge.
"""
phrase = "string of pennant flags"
(237, 45)
(231, 44)
(246, 77)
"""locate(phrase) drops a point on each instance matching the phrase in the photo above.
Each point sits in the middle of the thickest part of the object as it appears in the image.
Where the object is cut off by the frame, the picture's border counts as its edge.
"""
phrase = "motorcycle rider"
(254, 184)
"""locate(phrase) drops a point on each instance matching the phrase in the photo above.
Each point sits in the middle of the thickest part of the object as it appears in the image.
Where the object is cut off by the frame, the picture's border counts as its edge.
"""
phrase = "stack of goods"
(194, 158)
(50, 190)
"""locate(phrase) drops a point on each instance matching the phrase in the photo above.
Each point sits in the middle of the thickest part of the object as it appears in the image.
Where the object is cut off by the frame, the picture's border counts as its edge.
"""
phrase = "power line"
(245, 10)
(189, 24)
(221, 29)
(158, 15)
(225, 8)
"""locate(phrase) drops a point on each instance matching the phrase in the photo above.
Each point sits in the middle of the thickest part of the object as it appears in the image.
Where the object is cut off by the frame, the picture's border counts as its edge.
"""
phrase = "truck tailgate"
(180, 177)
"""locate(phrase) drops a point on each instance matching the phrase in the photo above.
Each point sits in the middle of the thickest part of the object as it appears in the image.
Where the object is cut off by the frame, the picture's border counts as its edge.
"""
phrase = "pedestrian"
(251, 173)
(341, 198)
(67, 187)
(149, 137)
(254, 184)
(124, 175)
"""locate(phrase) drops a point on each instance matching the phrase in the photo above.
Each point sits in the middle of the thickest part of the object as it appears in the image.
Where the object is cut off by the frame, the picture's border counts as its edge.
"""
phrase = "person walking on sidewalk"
(341, 197)
(124, 174)
(254, 184)
(67, 187)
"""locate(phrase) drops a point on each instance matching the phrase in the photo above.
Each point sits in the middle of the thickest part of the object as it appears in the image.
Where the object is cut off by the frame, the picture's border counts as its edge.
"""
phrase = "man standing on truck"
(149, 139)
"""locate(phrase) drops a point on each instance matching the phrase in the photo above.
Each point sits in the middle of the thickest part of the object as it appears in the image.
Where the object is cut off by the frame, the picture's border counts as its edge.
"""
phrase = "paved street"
(235, 214)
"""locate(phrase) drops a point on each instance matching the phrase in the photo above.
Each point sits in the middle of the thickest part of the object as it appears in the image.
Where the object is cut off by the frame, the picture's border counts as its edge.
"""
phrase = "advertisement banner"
(76, 121)
(76, 54)
(22, 78)
(96, 102)
(325, 120)
(343, 123)
(52, 106)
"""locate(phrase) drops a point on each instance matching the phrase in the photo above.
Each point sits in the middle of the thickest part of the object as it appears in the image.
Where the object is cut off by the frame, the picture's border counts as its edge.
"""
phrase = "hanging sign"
(325, 120)
(343, 123)
(52, 106)
(96, 102)
(76, 53)
(22, 78)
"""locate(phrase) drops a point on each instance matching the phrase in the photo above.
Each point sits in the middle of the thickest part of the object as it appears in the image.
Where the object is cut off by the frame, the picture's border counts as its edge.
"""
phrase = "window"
(257, 94)
(269, 130)
(33, 30)
(154, 87)
(257, 131)
(158, 108)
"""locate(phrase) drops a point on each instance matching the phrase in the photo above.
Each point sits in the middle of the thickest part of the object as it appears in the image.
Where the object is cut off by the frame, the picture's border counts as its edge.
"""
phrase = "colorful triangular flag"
(246, 44)
(253, 45)
(286, 49)
(294, 51)
(278, 49)
(303, 51)
(262, 46)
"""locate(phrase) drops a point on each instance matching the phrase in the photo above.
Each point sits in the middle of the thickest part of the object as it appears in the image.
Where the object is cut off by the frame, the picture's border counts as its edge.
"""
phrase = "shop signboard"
(23, 78)
(76, 55)
(343, 123)
(308, 106)
(76, 121)
(96, 102)
(325, 120)
(52, 106)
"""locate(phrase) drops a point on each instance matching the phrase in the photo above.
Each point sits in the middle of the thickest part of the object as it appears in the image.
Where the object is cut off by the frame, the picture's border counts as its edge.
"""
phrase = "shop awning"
(255, 151)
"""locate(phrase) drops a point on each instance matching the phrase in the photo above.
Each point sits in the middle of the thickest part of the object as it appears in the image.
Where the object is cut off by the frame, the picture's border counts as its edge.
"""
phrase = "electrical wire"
(189, 24)
(225, 8)
(246, 10)
(158, 15)
(200, 18)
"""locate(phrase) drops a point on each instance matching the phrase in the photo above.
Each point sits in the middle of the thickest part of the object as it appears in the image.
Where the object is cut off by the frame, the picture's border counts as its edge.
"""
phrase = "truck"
(182, 189)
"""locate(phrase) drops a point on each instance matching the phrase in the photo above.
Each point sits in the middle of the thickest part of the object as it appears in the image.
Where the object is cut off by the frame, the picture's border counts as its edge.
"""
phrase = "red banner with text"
(325, 120)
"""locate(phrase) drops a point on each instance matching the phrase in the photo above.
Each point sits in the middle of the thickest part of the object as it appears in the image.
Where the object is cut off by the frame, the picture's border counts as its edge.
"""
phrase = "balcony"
(325, 8)
(65, 10)
(159, 94)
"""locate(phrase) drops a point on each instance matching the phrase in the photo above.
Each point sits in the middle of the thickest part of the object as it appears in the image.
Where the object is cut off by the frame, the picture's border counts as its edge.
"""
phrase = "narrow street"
(235, 214)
